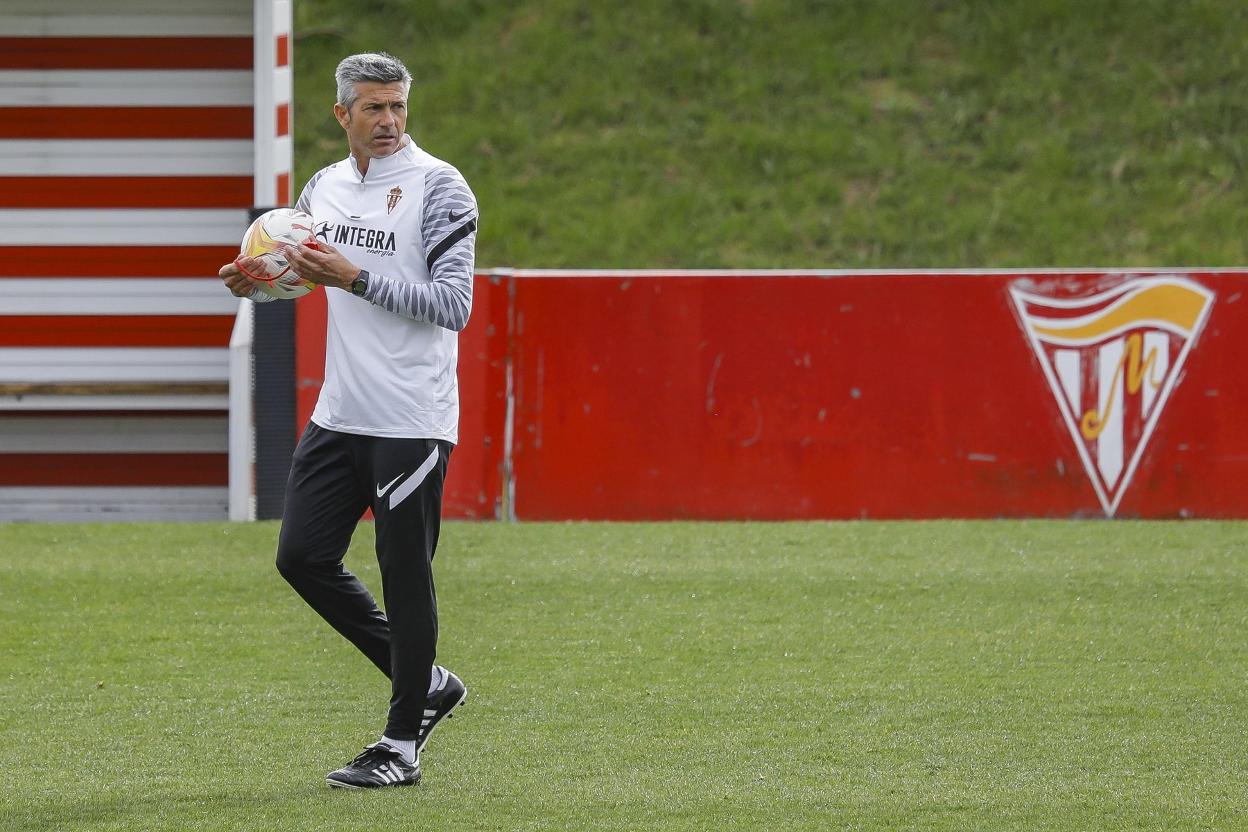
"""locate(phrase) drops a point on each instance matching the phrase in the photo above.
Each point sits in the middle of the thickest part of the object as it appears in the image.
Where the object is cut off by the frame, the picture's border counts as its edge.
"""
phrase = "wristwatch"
(360, 285)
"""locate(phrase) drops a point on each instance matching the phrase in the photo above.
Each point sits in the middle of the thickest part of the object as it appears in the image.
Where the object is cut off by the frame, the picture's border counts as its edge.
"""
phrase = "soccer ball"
(264, 240)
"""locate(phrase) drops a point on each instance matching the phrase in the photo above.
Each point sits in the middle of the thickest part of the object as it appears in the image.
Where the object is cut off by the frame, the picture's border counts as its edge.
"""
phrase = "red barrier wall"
(474, 484)
(712, 395)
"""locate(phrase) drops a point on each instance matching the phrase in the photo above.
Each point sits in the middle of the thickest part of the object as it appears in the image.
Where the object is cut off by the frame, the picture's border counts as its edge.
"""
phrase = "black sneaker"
(439, 705)
(377, 765)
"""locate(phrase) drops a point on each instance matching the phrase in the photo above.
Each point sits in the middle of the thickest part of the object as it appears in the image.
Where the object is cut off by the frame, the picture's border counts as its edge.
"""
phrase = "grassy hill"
(861, 133)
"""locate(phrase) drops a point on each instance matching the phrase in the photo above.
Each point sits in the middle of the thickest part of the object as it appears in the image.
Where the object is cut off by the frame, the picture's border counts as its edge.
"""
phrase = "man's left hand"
(321, 263)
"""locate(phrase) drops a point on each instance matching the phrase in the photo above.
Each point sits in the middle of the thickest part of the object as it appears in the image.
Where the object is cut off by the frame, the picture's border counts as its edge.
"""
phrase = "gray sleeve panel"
(259, 296)
(446, 302)
(304, 203)
(449, 229)
(449, 204)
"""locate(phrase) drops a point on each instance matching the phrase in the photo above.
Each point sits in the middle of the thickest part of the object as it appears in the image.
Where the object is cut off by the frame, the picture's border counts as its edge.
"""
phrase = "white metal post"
(242, 422)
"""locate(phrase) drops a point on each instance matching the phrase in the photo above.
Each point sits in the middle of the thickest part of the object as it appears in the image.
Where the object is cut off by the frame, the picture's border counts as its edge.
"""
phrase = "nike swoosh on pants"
(413, 482)
(382, 489)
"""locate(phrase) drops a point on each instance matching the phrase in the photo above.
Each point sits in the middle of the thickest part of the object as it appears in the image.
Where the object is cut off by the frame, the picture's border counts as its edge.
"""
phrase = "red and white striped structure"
(133, 141)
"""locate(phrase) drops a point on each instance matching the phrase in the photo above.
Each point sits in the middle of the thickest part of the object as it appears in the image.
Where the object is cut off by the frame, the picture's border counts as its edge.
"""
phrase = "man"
(396, 230)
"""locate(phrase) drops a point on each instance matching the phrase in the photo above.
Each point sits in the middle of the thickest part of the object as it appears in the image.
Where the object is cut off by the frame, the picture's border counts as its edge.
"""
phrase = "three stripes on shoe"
(389, 773)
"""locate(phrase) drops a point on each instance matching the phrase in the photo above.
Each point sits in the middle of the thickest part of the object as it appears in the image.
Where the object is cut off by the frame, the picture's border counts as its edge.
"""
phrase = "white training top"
(390, 357)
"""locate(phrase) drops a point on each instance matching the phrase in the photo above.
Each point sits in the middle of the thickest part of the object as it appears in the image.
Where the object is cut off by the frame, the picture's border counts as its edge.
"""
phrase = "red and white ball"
(264, 241)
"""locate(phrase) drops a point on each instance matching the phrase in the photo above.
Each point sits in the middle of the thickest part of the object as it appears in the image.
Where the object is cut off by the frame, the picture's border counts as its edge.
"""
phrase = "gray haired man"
(396, 231)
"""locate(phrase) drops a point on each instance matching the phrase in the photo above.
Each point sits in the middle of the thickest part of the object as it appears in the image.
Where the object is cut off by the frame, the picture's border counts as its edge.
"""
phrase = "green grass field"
(945, 675)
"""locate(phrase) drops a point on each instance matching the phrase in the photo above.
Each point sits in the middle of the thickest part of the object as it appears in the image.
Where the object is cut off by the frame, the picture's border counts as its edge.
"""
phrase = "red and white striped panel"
(133, 141)
(273, 112)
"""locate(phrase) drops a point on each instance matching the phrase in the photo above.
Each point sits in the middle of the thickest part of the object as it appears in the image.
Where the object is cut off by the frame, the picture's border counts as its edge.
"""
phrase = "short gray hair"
(379, 67)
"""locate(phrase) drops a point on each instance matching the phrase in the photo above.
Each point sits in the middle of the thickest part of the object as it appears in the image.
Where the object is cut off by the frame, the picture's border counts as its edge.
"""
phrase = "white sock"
(406, 747)
(436, 678)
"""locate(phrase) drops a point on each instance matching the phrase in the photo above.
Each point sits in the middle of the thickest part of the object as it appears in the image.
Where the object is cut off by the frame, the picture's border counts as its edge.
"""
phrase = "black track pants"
(333, 478)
